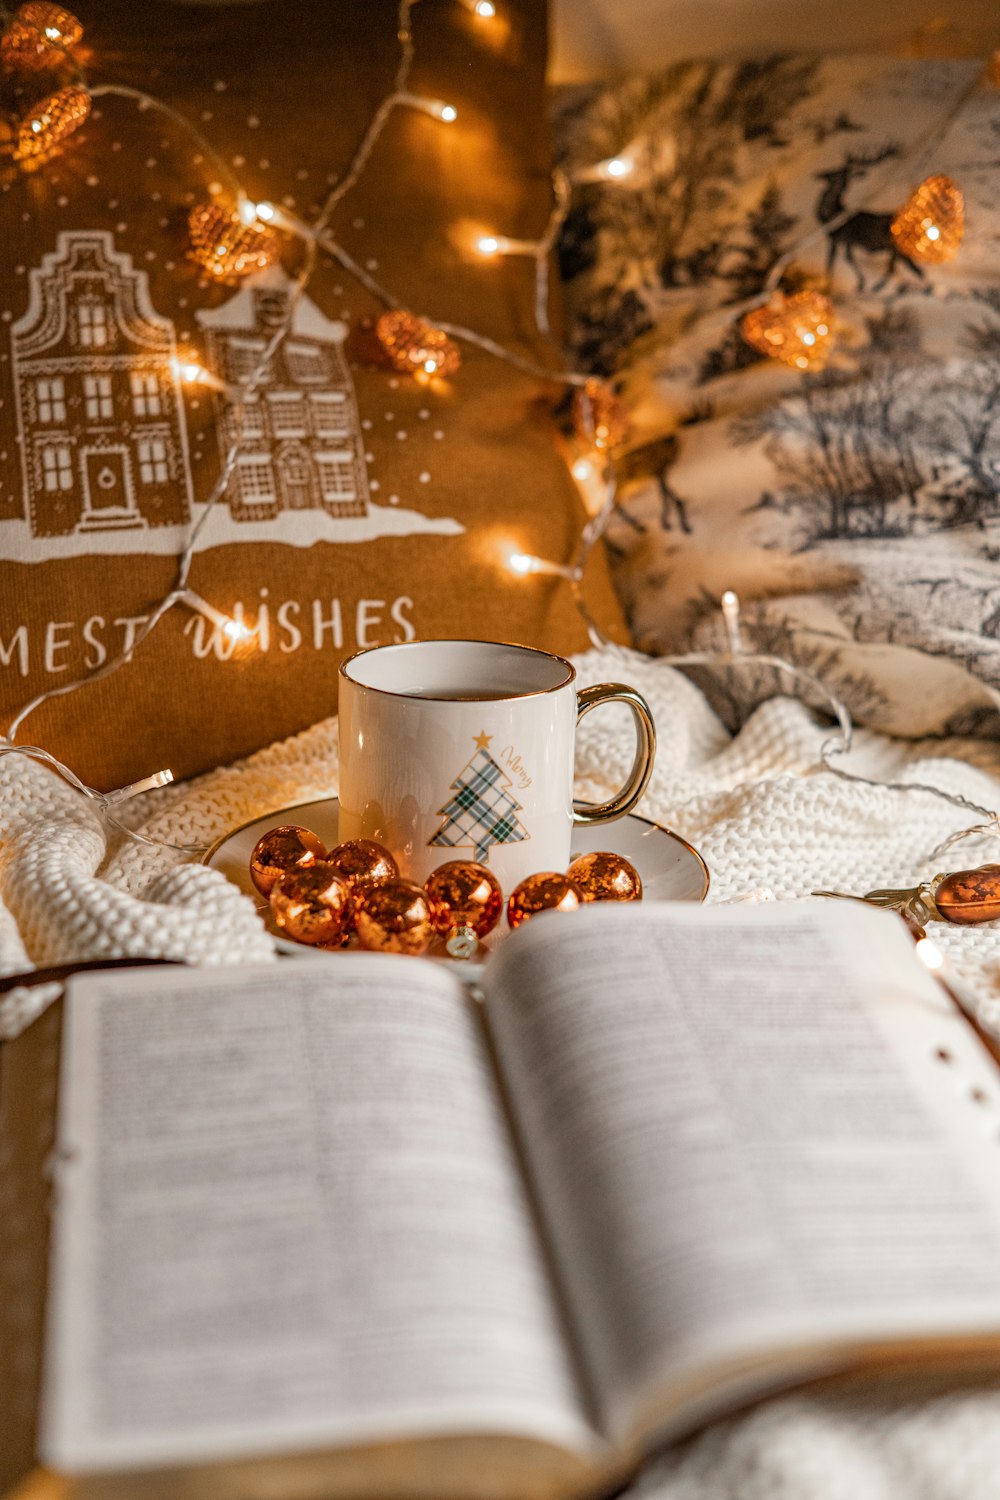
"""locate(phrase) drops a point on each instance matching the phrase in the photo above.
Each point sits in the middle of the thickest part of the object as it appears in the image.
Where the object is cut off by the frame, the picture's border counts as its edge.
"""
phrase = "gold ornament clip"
(915, 903)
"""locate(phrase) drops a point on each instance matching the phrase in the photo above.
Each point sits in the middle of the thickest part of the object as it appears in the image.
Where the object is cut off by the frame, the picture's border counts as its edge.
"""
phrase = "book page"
(289, 1215)
(755, 1131)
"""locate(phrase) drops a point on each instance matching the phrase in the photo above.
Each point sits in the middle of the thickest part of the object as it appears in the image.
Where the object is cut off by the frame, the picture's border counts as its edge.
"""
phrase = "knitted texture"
(768, 822)
(766, 819)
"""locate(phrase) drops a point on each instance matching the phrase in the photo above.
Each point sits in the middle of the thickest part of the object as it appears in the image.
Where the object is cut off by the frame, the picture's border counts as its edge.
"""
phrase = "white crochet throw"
(766, 819)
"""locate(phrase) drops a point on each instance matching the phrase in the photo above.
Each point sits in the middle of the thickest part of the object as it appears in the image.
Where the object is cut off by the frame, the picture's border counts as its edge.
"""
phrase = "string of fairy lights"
(232, 236)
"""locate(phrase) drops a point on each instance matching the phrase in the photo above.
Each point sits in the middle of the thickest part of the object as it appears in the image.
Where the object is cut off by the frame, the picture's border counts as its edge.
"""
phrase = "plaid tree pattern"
(482, 811)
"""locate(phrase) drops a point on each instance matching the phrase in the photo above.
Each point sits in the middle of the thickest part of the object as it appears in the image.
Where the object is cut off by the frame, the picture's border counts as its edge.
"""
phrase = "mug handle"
(645, 750)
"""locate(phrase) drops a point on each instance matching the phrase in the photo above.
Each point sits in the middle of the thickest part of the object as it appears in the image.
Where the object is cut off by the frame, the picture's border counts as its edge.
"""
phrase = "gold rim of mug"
(458, 641)
(314, 801)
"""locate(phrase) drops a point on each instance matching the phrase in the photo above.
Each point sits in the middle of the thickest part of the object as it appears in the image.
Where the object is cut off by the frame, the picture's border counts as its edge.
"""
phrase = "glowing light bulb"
(933, 232)
(233, 629)
(618, 167)
(188, 369)
(731, 619)
(929, 954)
(501, 244)
(265, 211)
(430, 365)
(523, 563)
(582, 469)
(438, 109)
(486, 9)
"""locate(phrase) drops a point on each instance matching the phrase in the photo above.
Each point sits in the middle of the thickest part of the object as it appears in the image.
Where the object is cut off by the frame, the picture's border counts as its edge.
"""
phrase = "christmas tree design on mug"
(482, 811)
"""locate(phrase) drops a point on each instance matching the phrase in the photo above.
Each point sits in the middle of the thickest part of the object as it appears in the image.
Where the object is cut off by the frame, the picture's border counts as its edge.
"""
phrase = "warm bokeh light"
(46, 128)
(438, 109)
(227, 246)
(414, 346)
(795, 329)
(929, 954)
(38, 35)
(930, 226)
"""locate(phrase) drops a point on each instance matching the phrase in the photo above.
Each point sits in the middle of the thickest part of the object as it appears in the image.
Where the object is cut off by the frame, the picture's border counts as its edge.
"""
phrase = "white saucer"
(670, 869)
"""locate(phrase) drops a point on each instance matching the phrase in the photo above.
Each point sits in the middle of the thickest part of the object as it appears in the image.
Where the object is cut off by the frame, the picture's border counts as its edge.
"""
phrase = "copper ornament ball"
(604, 876)
(547, 891)
(394, 917)
(280, 850)
(464, 893)
(311, 904)
(363, 863)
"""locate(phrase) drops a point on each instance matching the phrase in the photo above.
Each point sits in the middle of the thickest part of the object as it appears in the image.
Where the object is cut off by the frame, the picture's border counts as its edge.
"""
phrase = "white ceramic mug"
(464, 750)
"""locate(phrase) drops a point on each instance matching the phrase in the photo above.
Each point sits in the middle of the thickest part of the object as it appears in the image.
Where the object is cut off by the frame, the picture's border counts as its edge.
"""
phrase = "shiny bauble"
(280, 850)
(547, 891)
(466, 904)
(394, 917)
(312, 904)
(604, 876)
(363, 863)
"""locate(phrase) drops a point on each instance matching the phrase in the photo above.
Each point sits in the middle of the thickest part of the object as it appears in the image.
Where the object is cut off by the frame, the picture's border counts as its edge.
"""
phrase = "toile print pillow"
(362, 507)
(855, 510)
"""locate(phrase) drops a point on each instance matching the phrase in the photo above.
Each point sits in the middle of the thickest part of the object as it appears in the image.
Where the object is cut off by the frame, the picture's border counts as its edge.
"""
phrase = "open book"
(340, 1228)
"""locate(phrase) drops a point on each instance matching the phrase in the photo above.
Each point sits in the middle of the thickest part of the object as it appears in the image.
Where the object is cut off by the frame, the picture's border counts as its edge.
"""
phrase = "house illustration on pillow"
(299, 432)
(102, 424)
(99, 406)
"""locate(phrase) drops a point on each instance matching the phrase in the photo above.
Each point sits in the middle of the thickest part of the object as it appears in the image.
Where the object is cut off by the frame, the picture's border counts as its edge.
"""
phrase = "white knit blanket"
(765, 819)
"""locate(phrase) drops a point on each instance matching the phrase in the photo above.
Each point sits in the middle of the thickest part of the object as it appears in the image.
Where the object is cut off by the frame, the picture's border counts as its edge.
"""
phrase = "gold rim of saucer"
(458, 641)
(331, 797)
